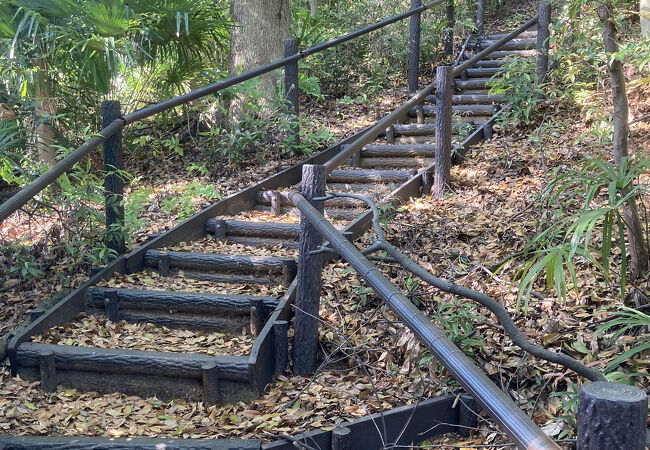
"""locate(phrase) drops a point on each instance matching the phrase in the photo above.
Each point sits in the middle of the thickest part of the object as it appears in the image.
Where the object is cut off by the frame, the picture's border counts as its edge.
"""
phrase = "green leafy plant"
(517, 84)
(183, 204)
(567, 237)
(456, 319)
(627, 320)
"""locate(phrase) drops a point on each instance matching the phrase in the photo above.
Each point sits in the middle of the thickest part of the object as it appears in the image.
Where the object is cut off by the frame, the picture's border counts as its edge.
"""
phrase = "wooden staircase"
(259, 217)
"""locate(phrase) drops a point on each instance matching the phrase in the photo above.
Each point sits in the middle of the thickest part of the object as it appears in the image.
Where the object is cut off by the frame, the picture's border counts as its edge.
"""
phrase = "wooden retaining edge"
(402, 426)
(180, 301)
(227, 264)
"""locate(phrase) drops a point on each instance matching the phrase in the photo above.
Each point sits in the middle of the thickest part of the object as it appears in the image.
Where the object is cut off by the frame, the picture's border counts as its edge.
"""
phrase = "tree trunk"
(257, 38)
(638, 249)
(45, 106)
(644, 12)
(313, 7)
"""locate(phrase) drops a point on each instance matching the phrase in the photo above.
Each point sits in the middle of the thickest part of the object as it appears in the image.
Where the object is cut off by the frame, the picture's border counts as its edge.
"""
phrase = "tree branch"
(517, 337)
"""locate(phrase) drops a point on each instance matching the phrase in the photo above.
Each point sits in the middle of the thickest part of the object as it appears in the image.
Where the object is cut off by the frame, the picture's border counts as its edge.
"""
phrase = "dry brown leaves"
(150, 280)
(95, 330)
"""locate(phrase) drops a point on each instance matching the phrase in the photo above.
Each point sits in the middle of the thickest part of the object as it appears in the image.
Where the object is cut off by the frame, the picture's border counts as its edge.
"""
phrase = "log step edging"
(515, 44)
(222, 263)
(473, 83)
(368, 176)
(463, 110)
(226, 228)
(110, 360)
(178, 300)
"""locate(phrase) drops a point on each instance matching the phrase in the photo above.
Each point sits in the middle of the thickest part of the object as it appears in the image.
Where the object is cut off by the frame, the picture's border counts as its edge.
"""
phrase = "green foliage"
(182, 206)
(627, 321)
(568, 409)
(456, 319)
(517, 85)
(599, 191)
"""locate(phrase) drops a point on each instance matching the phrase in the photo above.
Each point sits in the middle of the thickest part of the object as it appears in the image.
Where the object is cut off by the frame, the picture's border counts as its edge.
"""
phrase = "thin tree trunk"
(260, 28)
(644, 12)
(45, 106)
(638, 248)
(313, 7)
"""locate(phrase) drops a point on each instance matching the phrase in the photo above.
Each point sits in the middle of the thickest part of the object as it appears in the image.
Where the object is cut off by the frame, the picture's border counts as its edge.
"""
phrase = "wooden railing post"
(414, 49)
(612, 416)
(305, 338)
(480, 17)
(543, 34)
(291, 85)
(444, 87)
(113, 184)
(449, 34)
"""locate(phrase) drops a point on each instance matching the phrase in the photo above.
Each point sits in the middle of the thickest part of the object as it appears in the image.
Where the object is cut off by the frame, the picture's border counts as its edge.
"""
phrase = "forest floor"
(370, 361)
(491, 211)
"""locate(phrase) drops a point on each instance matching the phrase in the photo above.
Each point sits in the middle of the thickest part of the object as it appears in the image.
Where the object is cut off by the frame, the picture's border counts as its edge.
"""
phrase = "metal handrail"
(28, 192)
(497, 403)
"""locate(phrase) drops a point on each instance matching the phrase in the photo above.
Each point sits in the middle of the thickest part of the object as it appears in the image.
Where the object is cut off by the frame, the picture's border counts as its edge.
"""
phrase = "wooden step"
(473, 99)
(146, 300)
(226, 228)
(330, 213)
(336, 203)
(263, 242)
(361, 188)
(470, 99)
(501, 54)
(424, 129)
(229, 268)
(490, 63)
(415, 162)
(136, 372)
(461, 110)
(368, 176)
(398, 150)
(483, 72)
(515, 44)
(473, 83)
(525, 34)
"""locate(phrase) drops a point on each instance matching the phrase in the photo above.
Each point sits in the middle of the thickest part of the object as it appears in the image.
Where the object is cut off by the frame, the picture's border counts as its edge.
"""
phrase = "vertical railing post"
(113, 184)
(305, 339)
(291, 86)
(480, 17)
(444, 87)
(611, 415)
(414, 49)
(449, 34)
(543, 34)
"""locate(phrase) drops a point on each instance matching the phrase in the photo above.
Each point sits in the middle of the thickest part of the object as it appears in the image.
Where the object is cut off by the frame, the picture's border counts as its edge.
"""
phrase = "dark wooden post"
(281, 336)
(48, 370)
(414, 49)
(449, 34)
(480, 17)
(291, 85)
(611, 416)
(543, 34)
(341, 438)
(256, 316)
(305, 339)
(112, 306)
(444, 85)
(211, 383)
(113, 184)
